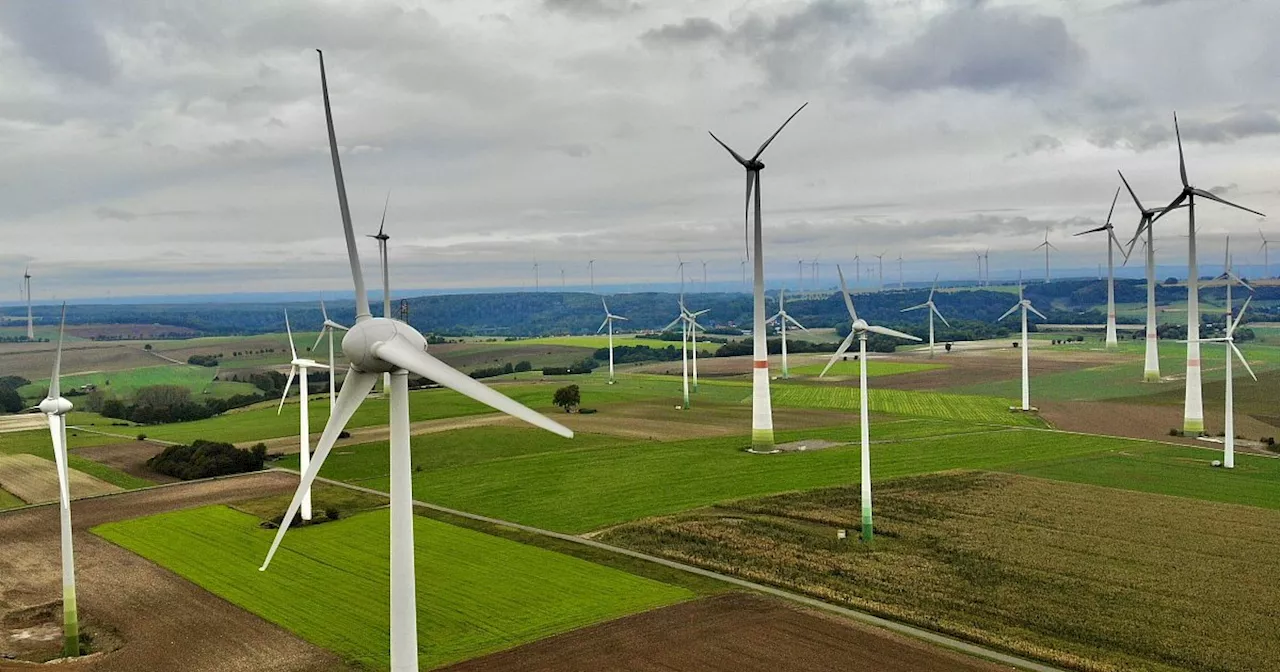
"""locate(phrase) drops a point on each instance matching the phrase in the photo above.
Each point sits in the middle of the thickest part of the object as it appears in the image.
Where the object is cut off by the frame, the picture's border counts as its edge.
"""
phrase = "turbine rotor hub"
(57, 406)
(360, 343)
(755, 164)
(860, 325)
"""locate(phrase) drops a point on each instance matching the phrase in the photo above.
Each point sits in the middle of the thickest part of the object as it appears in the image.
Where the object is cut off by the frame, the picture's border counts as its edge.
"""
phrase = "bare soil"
(34, 360)
(1143, 421)
(735, 632)
(130, 457)
(163, 622)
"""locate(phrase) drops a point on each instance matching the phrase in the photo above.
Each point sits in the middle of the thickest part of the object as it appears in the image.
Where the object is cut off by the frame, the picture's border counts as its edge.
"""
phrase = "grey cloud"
(61, 36)
(114, 213)
(1145, 135)
(979, 48)
(575, 150)
(690, 31)
(1223, 189)
(594, 8)
(1038, 144)
(239, 148)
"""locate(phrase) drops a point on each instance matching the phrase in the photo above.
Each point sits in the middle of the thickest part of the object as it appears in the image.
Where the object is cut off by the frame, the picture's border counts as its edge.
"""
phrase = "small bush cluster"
(204, 360)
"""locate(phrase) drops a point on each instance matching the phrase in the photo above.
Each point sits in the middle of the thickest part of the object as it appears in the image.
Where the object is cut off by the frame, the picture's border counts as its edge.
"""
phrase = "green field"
(8, 500)
(37, 442)
(1078, 576)
(476, 593)
(595, 342)
(875, 367)
(968, 408)
(124, 384)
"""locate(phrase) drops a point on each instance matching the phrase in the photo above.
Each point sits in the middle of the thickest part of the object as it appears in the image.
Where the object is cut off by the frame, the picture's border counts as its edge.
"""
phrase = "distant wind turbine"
(761, 404)
(933, 310)
(901, 285)
(57, 408)
(609, 319)
(1266, 259)
(744, 273)
(783, 318)
(1047, 246)
(684, 319)
(1025, 305)
(859, 330)
(1193, 402)
(299, 366)
(979, 256)
(880, 259)
(986, 262)
(373, 346)
(1112, 243)
(382, 239)
(327, 330)
(537, 284)
(31, 329)
(816, 266)
(591, 270)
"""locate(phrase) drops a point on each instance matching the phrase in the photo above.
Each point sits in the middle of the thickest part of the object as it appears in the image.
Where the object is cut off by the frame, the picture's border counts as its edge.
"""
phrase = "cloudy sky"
(162, 148)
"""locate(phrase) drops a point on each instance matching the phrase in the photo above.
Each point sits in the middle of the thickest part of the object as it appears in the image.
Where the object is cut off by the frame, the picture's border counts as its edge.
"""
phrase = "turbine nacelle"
(362, 342)
(56, 406)
(860, 325)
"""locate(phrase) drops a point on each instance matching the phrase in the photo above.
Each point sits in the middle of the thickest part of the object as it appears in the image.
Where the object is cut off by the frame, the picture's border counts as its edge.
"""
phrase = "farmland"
(875, 367)
(124, 384)
(1004, 560)
(968, 408)
(476, 593)
(35, 480)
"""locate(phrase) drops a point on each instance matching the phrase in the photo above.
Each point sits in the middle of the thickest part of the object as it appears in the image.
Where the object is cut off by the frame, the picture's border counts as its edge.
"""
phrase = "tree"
(1171, 280)
(10, 401)
(147, 347)
(568, 397)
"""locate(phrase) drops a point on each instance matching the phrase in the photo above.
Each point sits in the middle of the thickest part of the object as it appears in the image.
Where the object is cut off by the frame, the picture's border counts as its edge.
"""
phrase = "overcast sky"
(156, 148)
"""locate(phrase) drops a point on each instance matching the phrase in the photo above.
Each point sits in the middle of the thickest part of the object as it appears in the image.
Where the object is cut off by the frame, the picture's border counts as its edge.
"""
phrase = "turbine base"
(1151, 377)
(762, 439)
(1192, 426)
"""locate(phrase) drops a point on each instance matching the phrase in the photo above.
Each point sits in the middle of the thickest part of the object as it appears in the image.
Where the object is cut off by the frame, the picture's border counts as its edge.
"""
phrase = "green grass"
(476, 593)
(8, 500)
(968, 408)
(124, 384)
(580, 490)
(108, 474)
(36, 442)
(1170, 470)
(875, 367)
(595, 342)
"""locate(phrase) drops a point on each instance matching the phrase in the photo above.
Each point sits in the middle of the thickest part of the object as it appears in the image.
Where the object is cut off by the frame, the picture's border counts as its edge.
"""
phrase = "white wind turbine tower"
(761, 405)
(1193, 402)
(986, 263)
(325, 330)
(1112, 243)
(591, 271)
(382, 239)
(979, 256)
(1151, 370)
(609, 319)
(933, 310)
(537, 284)
(880, 260)
(901, 285)
(684, 350)
(859, 329)
(783, 318)
(692, 319)
(1047, 246)
(1229, 421)
(857, 270)
(299, 366)
(373, 346)
(31, 330)
(744, 272)
(1266, 259)
(816, 266)
(800, 274)
(1025, 305)
(57, 408)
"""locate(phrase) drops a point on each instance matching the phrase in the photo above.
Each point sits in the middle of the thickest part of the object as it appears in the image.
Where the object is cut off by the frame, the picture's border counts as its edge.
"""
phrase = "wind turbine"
(859, 329)
(325, 330)
(901, 285)
(800, 275)
(382, 239)
(1229, 421)
(986, 262)
(57, 408)
(816, 266)
(704, 276)
(1025, 305)
(31, 330)
(857, 269)
(880, 259)
(562, 282)
(761, 405)
(1151, 370)
(591, 270)
(692, 319)
(744, 272)
(1111, 270)
(537, 284)
(1266, 260)
(684, 350)
(1047, 246)
(609, 319)
(979, 256)
(299, 366)
(373, 346)
(1193, 403)
(783, 318)
(933, 310)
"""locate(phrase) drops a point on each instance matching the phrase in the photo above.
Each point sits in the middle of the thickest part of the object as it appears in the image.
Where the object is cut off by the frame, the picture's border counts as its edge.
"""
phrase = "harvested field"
(730, 633)
(35, 480)
(1142, 421)
(151, 609)
(34, 360)
(23, 422)
(130, 457)
(1080, 576)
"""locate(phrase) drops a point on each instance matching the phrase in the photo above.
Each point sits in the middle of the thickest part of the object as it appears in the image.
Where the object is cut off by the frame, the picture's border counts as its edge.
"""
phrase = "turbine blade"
(1133, 195)
(1205, 194)
(1104, 227)
(773, 317)
(746, 216)
(293, 370)
(289, 330)
(319, 338)
(603, 324)
(1182, 162)
(1113, 206)
(1177, 202)
(1009, 312)
(55, 381)
(1240, 280)
(1239, 317)
(736, 156)
(674, 322)
(799, 326)
(58, 434)
(383, 224)
(1033, 309)
(405, 356)
(844, 347)
(619, 317)
(357, 277)
(940, 317)
(1244, 361)
(603, 303)
(923, 305)
(775, 133)
(844, 291)
(355, 388)
(885, 331)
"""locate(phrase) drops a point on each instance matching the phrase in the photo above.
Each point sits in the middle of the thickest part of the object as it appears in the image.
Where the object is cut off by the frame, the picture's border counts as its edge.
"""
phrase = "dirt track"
(166, 623)
(738, 633)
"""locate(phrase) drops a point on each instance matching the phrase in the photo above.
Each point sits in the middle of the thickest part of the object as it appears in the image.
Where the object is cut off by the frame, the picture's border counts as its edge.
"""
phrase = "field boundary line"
(863, 617)
(118, 436)
(1158, 442)
(159, 486)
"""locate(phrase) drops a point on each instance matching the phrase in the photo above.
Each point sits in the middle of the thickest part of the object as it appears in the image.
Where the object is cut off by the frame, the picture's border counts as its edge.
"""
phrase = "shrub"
(142, 437)
(206, 459)
(523, 365)
(332, 513)
(586, 411)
